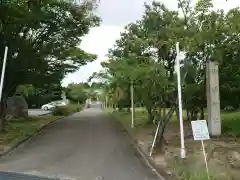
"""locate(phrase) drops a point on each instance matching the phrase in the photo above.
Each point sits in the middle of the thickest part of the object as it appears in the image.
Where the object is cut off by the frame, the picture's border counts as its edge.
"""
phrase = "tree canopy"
(77, 93)
(145, 54)
(43, 39)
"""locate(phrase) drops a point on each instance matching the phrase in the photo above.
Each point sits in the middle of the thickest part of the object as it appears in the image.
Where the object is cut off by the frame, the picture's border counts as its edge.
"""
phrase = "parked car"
(52, 105)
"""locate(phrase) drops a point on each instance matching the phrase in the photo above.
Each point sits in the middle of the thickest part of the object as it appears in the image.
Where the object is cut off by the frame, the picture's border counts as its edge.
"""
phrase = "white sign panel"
(200, 130)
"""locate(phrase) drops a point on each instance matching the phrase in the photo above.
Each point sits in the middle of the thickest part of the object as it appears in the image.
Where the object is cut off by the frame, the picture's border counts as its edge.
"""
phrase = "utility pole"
(183, 151)
(3, 72)
(1, 87)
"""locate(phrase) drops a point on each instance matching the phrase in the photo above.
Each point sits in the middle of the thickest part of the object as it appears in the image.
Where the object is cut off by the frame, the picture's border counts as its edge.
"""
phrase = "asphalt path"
(37, 112)
(85, 146)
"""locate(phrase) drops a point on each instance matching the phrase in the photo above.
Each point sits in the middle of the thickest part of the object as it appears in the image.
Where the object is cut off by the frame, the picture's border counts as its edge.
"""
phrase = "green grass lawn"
(231, 123)
(125, 119)
(230, 120)
(20, 129)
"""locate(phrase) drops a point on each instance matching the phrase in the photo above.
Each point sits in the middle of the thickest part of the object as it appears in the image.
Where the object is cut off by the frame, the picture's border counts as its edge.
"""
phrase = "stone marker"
(17, 107)
(213, 100)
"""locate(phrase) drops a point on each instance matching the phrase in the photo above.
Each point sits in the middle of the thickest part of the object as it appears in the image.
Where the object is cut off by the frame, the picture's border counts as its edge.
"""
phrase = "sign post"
(155, 138)
(200, 133)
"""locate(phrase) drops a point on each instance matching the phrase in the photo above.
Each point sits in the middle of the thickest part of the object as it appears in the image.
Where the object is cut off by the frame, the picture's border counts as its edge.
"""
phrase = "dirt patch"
(223, 153)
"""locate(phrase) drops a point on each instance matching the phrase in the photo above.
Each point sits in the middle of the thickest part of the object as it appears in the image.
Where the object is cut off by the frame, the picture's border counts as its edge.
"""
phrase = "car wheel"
(45, 108)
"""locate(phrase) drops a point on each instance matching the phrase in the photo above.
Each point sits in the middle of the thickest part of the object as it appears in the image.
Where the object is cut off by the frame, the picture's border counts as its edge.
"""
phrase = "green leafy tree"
(43, 39)
(146, 51)
(76, 93)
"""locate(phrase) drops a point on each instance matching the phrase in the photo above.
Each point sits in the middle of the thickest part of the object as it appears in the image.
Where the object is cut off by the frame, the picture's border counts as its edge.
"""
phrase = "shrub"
(66, 110)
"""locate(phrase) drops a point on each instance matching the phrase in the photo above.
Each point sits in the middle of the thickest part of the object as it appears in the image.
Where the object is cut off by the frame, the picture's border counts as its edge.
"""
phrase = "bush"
(66, 110)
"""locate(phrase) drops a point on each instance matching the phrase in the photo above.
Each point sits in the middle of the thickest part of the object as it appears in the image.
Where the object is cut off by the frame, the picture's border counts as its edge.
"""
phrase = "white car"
(52, 105)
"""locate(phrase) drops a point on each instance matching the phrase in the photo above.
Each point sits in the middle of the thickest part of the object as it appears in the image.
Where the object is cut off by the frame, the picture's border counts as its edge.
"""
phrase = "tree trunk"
(164, 111)
(160, 114)
(164, 122)
(202, 113)
(120, 107)
(194, 115)
(150, 115)
(3, 115)
(188, 115)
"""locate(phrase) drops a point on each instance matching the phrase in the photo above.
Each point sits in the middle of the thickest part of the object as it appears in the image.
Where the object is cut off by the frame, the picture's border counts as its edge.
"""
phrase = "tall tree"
(76, 93)
(43, 39)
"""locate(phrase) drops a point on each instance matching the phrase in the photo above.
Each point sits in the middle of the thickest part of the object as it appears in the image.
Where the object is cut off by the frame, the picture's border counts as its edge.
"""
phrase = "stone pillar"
(64, 98)
(213, 100)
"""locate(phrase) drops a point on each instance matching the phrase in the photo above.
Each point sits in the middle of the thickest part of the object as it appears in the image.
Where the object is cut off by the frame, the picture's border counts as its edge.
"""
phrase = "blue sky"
(115, 15)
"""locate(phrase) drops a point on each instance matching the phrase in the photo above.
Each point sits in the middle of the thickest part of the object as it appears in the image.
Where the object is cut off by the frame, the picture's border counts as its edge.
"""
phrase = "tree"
(211, 37)
(145, 56)
(25, 90)
(43, 39)
(76, 93)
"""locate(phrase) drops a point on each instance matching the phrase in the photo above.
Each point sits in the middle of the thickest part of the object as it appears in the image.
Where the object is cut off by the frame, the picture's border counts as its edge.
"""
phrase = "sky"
(115, 15)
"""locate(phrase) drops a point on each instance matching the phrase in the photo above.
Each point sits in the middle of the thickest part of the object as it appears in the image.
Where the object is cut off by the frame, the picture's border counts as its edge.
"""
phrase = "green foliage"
(141, 119)
(43, 39)
(36, 97)
(66, 110)
(183, 173)
(144, 57)
(145, 54)
(211, 35)
(77, 93)
(25, 90)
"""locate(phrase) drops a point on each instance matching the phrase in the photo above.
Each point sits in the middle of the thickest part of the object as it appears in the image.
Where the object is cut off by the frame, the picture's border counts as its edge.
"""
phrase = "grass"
(230, 120)
(20, 129)
(185, 174)
(231, 124)
(182, 172)
(230, 127)
(125, 119)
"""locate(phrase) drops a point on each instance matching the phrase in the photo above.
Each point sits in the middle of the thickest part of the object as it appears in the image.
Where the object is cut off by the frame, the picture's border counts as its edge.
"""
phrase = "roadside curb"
(147, 160)
(15, 146)
(44, 114)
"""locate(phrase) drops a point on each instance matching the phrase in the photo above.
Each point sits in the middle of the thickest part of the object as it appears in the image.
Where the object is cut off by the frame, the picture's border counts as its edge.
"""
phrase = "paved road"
(85, 146)
(37, 112)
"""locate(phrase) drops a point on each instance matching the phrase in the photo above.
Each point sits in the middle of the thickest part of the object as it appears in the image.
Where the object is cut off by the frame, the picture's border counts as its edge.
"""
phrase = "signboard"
(200, 130)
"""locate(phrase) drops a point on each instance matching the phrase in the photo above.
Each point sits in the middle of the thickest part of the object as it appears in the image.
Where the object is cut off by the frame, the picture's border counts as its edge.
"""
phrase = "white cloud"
(116, 14)
(98, 41)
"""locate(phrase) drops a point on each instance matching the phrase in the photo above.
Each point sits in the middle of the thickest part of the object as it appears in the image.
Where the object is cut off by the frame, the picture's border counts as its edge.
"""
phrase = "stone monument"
(213, 99)
(17, 107)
